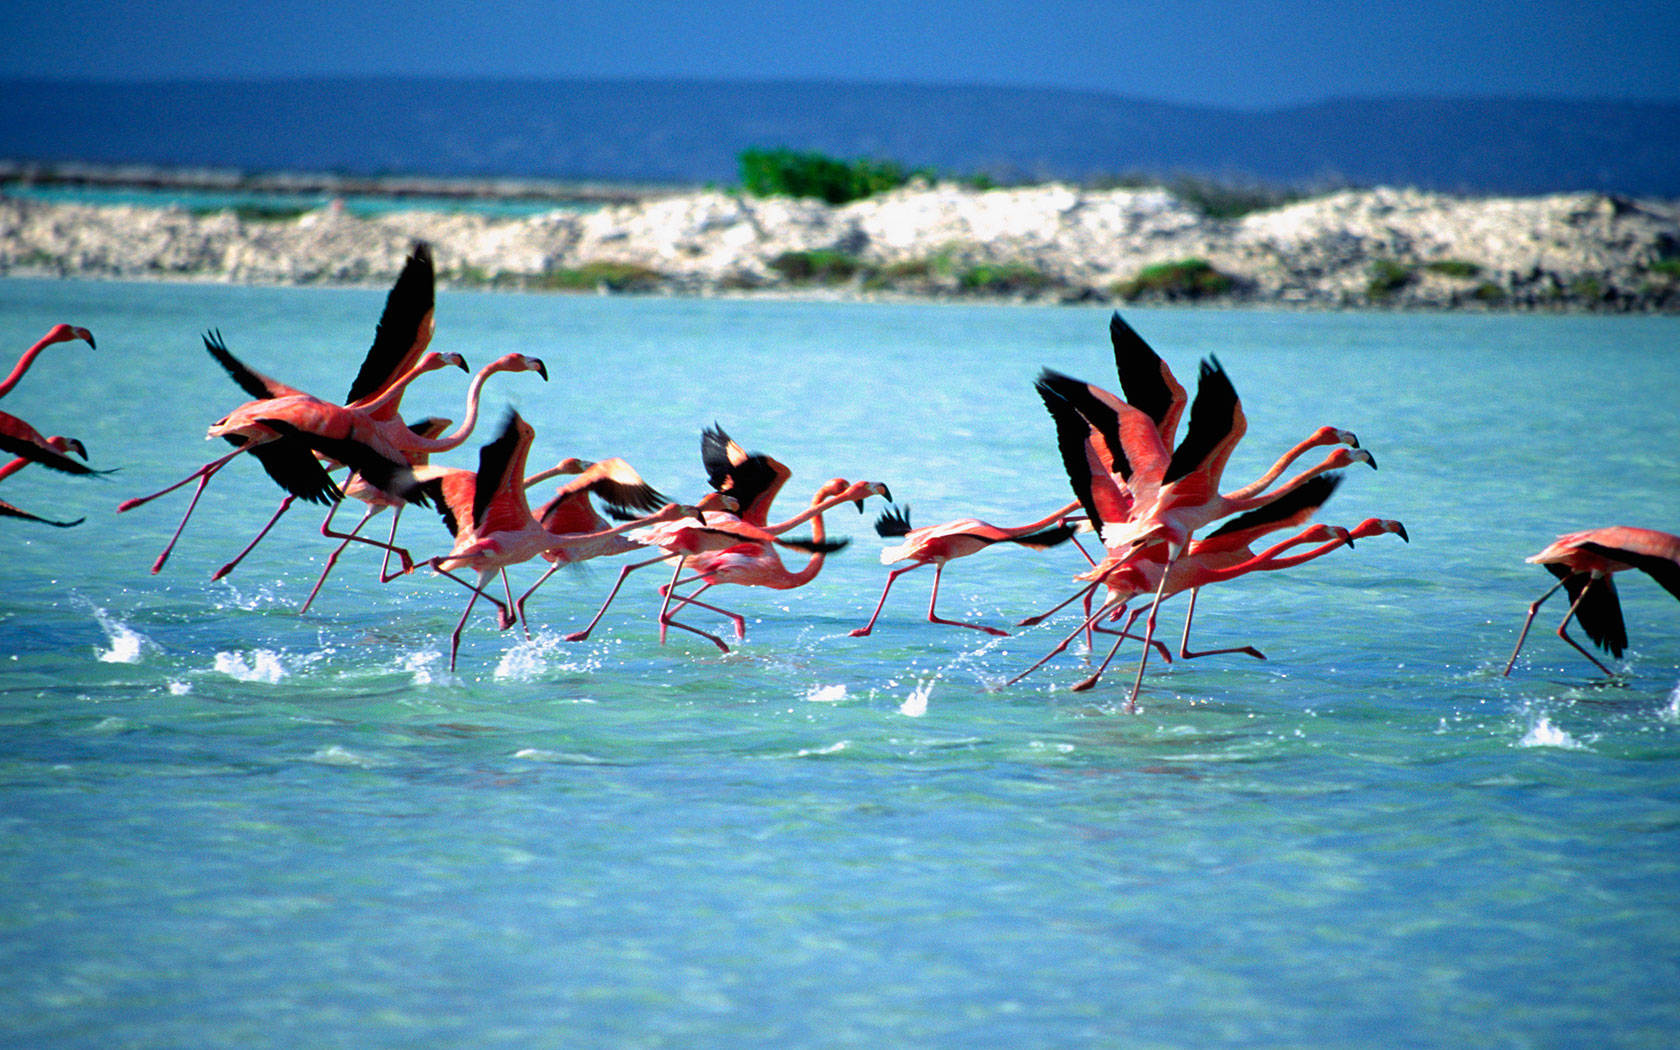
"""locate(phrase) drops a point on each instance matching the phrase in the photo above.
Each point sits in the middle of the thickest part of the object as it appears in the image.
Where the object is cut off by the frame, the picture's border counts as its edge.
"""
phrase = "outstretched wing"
(893, 522)
(1145, 380)
(405, 326)
(392, 477)
(1216, 425)
(753, 479)
(9, 511)
(249, 379)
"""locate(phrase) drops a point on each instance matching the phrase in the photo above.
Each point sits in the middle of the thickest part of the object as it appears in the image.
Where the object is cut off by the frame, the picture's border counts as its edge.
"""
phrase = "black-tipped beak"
(1372, 461)
(461, 363)
(886, 493)
(1400, 531)
(859, 503)
(75, 446)
(541, 369)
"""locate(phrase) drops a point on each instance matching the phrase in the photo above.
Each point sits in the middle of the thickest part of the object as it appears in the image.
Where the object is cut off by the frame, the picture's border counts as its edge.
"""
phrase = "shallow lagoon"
(227, 824)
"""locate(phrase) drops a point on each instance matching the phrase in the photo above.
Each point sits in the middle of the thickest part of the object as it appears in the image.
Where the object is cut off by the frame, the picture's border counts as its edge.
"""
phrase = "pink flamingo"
(937, 544)
(752, 563)
(571, 512)
(58, 333)
(56, 444)
(751, 482)
(1584, 563)
(288, 461)
(493, 524)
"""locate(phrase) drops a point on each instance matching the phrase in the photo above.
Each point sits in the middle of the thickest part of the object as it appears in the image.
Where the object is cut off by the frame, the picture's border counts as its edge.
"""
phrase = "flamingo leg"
(1184, 652)
(737, 619)
(1149, 631)
(455, 638)
(1562, 631)
(1084, 592)
(665, 620)
(1533, 608)
(939, 570)
(519, 606)
(285, 505)
(578, 636)
(1091, 680)
(390, 548)
(1064, 643)
(504, 613)
(385, 573)
(169, 548)
(859, 632)
(665, 605)
(1126, 631)
(332, 559)
(203, 472)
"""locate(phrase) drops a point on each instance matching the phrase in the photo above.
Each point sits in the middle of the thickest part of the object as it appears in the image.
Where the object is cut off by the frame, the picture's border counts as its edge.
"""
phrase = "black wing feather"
(1598, 609)
(395, 479)
(1072, 429)
(893, 522)
(9, 511)
(46, 457)
(250, 380)
(746, 480)
(1211, 418)
(1664, 571)
(493, 460)
(411, 298)
(1142, 380)
(1309, 496)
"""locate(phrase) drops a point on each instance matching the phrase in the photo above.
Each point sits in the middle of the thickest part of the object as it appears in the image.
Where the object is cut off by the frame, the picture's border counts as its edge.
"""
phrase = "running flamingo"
(937, 544)
(752, 563)
(493, 524)
(1584, 563)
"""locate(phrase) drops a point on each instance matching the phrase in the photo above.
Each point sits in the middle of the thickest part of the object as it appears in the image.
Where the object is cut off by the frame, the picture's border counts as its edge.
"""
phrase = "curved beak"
(541, 369)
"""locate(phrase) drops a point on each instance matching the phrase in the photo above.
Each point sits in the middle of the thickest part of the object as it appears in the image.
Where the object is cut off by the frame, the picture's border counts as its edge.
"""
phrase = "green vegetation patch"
(794, 173)
(1454, 268)
(1387, 277)
(1003, 279)
(816, 267)
(1176, 281)
(594, 276)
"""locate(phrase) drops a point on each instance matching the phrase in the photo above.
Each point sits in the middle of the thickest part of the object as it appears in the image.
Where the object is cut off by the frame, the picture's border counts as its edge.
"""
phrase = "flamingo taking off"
(937, 544)
(1584, 563)
(56, 444)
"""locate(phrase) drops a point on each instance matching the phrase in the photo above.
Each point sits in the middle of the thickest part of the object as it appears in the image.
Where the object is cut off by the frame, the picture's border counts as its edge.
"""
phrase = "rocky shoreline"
(1382, 248)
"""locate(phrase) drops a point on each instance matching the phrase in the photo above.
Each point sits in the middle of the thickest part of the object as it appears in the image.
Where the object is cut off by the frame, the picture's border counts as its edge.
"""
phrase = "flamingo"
(493, 525)
(56, 444)
(751, 482)
(752, 563)
(571, 512)
(1223, 555)
(1165, 499)
(1584, 564)
(58, 333)
(288, 461)
(937, 544)
(379, 426)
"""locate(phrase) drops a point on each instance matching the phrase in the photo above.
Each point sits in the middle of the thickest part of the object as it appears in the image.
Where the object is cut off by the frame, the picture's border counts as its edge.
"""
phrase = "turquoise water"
(226, 824)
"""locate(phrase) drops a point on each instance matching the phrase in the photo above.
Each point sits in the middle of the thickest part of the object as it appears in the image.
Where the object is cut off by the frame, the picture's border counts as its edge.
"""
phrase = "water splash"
(915, 705)
(825, 694)
(1544, 734)
(263, 665)
(1671, 713)
(127, 644)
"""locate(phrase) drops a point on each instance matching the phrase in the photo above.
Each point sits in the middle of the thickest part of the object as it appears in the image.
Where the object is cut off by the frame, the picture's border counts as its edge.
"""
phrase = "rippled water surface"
(226, 824)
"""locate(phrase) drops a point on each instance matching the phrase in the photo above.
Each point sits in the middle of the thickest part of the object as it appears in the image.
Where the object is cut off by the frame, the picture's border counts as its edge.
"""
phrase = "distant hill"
(691, 131)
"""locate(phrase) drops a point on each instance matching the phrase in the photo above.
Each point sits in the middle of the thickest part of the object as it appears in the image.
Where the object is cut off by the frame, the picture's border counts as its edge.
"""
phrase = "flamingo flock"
(1152, 499)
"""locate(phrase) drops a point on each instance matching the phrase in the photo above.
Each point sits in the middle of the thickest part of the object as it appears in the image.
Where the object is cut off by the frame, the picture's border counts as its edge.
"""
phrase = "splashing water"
(1671, 713)
(825, 694)
(127, 644)
(915, 705)
(1544, 734)
(263, 666)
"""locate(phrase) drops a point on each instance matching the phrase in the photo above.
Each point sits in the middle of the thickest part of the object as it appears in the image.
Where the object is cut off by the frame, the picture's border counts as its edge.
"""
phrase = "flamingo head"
(63, 333)
(430, 427)
(571, 465)
(1376, 527)
(717, 503)
(518, 363)
(1343, 457)
(865, 489)
(64, 444)
(1333, 436)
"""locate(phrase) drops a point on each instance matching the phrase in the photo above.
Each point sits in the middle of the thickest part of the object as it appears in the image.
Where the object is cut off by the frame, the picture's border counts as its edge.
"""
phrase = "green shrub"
(792, 173)
(1666, 267)
(593, 276)
(816, 267)
(1453, 268)
(1228, 201)
(1386, 278)
(1488, 292)
(1185, 279)
(1003, 279)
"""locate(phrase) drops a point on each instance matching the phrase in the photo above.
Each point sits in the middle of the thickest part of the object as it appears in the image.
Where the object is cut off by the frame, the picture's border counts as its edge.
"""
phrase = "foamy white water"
(126, 644)
(258, 665)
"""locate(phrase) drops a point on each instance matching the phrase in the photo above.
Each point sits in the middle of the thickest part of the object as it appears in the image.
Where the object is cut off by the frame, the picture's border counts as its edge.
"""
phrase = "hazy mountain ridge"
(690, 132)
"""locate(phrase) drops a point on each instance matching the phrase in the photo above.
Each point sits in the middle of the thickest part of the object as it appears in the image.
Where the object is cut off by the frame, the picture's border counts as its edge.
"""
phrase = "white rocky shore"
(1385, 247)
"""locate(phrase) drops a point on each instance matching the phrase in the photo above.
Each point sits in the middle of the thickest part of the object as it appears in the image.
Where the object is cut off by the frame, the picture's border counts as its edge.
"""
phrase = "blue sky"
(1241, 53)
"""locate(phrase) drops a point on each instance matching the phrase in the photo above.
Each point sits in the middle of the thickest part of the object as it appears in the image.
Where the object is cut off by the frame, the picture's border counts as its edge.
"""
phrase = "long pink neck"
(1260, 483)
(13, 467)
(1235, 503)
(1269, 560)
(814, 566)
(385, 404)
(815, 510)
(22, 366)
(1045, 522)
(468, 421)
